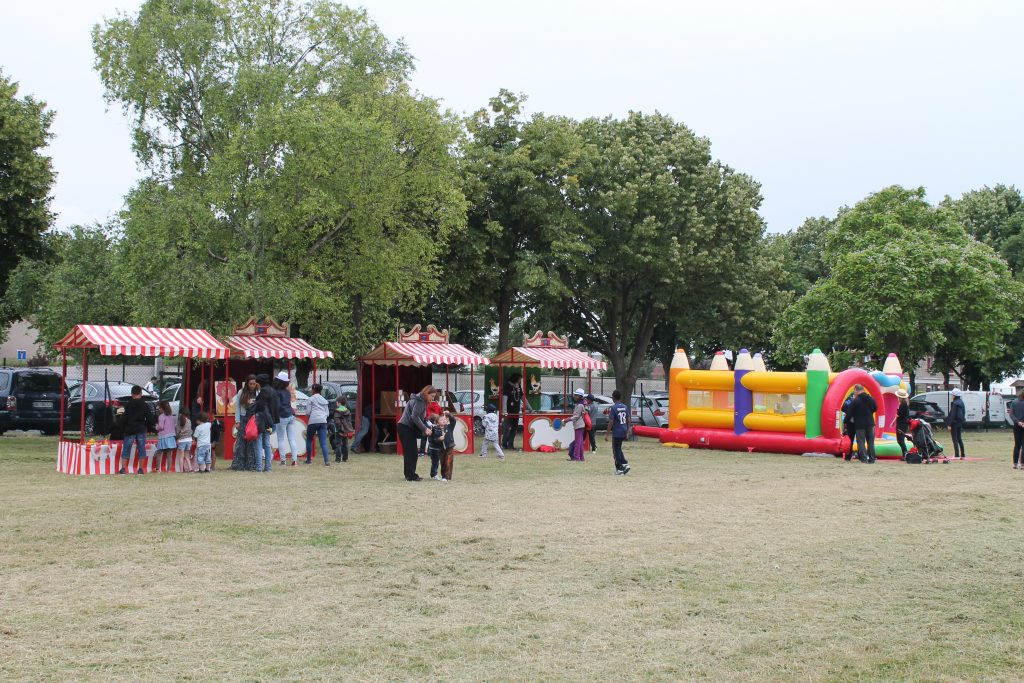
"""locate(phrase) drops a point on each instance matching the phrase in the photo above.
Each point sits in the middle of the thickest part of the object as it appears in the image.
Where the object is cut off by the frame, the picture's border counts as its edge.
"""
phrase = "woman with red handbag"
(245, 457)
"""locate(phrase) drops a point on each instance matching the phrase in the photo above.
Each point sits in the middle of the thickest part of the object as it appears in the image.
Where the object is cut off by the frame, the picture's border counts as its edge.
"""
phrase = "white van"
(977, 405)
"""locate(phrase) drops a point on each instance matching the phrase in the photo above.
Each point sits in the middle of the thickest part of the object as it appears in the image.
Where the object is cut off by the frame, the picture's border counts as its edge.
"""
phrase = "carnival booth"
(393, 371)
(81, 456)
(544, 423)
(261, 347)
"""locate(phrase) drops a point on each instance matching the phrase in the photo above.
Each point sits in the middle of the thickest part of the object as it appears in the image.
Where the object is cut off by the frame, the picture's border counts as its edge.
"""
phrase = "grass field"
(699, 565)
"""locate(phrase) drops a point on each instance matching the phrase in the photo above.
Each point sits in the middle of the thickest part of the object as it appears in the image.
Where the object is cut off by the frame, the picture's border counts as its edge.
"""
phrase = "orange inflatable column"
(676, 390)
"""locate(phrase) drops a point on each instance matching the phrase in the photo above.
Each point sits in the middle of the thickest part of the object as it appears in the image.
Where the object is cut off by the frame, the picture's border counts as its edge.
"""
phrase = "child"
(341, 423)
(592, 410)
(618, 426)
(165, 429)
(449, 446)
(434, 411)
(579, 426)
(203, 442)
(491, 432)
(435, 446)
(183, 435)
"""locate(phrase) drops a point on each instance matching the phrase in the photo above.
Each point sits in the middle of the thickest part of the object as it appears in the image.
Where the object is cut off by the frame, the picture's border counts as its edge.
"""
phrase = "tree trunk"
(504, 317)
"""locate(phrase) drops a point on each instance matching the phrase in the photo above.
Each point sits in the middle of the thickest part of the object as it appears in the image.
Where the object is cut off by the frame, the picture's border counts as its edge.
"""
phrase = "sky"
(822, 102)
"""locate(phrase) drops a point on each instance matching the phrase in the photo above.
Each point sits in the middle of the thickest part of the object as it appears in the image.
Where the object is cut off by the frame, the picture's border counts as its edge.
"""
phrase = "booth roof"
(547, 357)
(428, 353)
(112, 340)
(252, 346)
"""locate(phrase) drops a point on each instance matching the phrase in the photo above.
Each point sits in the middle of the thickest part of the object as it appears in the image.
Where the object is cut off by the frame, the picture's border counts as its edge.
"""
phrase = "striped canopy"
(413, 353)
(251, 346)
(112, 340)
(547, 357)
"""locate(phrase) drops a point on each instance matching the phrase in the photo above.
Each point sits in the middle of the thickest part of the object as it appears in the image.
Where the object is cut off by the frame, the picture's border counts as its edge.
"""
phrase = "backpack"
(913, 457)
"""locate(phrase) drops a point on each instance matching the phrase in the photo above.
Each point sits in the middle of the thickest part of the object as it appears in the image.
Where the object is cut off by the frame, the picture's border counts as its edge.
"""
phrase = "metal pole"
(85, 382)
(64, 390)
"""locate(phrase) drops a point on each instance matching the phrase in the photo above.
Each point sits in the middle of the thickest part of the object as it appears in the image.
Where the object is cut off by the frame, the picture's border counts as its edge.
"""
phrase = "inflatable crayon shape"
(818, 371)
(676, 390)
(743, 398)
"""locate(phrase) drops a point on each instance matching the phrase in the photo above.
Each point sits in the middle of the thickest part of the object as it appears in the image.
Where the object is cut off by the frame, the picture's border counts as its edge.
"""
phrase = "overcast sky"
(820, 101)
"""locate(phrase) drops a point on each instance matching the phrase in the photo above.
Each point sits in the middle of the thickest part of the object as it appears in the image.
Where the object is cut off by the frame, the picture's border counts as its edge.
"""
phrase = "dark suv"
(30, 399)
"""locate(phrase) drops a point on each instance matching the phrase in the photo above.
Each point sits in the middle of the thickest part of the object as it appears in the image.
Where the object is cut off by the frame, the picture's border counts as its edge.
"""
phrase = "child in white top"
(491, 432)
(201, 434)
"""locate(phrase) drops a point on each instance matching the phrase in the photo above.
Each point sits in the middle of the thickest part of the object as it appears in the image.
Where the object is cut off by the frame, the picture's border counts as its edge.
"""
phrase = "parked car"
(928, 411)
(96, 400)
(650, 410)
(30, 398)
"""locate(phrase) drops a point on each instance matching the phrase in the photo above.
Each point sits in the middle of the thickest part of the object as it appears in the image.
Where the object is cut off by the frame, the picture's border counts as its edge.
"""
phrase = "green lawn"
(699, 565)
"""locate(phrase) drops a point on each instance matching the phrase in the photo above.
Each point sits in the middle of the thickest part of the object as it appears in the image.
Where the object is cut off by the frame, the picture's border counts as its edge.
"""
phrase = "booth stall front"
(544, 423)
(92, 456)
(261, 347)
(393, 371)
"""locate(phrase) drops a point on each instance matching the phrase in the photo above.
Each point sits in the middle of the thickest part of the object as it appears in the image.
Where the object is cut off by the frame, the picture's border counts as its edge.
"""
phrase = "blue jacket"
(957, 412)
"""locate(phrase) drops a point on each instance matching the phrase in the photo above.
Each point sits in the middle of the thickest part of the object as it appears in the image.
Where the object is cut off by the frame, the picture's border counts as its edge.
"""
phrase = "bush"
(40, 360)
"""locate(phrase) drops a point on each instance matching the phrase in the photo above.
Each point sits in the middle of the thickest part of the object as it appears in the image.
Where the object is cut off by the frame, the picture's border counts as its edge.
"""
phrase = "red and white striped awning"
(253, 346)
(547, 357)
(113, 340)
(412, 353)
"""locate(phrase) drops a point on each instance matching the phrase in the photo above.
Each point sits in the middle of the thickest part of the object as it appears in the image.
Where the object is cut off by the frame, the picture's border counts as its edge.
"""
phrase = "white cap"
(955, 392)
(283, 376)
(744, 361)
(679, 360)
(759, 363)
(580, 392)
(892, 365)
(818, 361)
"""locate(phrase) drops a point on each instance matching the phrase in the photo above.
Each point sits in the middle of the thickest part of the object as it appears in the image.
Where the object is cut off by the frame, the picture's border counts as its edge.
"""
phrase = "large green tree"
(516, 174)
(26, 177)
(904, 277)
(292, 172)
(666, 233)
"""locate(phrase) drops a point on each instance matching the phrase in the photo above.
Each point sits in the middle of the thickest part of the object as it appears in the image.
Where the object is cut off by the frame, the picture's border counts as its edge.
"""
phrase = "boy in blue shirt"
(618, 425)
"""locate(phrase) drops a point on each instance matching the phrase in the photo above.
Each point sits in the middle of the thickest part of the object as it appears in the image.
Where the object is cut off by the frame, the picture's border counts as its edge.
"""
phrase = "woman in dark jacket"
(411, 425)
(247, 456)
(902, 420)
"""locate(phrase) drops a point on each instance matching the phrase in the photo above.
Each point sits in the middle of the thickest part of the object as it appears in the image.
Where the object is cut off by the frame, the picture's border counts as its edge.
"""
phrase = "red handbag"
(252, 432)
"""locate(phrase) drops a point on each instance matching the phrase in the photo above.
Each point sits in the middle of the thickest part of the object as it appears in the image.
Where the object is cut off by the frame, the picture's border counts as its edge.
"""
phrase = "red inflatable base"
(727, 440)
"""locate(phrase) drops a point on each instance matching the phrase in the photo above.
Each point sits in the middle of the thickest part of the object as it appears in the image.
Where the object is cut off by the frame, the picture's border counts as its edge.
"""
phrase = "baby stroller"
(925, 446)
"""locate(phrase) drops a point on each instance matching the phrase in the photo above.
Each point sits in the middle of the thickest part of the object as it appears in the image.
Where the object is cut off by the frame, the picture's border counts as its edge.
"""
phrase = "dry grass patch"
(697, 566)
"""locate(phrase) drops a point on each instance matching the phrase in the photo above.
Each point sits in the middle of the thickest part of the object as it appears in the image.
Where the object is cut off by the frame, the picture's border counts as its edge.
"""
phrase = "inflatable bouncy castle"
(749, 408)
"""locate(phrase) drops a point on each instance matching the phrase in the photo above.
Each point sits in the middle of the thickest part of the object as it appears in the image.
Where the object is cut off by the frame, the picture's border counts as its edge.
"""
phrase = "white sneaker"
(438, 477)
(443, 479)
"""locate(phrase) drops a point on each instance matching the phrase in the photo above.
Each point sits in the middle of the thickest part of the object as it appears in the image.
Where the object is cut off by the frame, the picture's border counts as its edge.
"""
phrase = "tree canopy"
(26, 178)
(292, 172)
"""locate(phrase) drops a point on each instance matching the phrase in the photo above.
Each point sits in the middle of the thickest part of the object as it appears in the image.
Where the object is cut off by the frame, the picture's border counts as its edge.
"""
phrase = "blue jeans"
(267, 451)
(285, 438)
(617, 454)
(140, 447)
(203, 455)
(319, 430)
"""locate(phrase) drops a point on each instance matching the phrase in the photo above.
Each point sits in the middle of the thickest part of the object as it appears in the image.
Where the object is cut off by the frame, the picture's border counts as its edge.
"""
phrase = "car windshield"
(39, 382)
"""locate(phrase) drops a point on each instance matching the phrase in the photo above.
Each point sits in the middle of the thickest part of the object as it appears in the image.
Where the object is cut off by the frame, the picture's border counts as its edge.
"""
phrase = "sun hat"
(283, 376)
(580, 392)
(955, 392)
(902, 394)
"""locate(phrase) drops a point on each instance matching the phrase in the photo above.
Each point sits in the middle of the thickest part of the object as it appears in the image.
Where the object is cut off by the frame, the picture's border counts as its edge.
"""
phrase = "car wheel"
(90, 423)
(478, 426)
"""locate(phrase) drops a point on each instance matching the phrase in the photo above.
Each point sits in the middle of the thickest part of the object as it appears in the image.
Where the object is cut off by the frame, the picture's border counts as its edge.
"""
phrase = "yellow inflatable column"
(676, 390)
(720, 399)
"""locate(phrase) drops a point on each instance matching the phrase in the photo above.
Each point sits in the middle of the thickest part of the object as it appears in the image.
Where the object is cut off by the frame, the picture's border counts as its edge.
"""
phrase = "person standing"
(245, 457)
(136, 423)
(317, 425)
(902, 420)
(165, 430)
(490, 423)
(183, 435)
(411, 425)
(286, 442)
(579, 425)
(864, 409)
(269, 405)
(1016, 409)
(203, 442)
(618, 426)
(343, 430)
(514, 404)
(449, 447)
(848, 429)
(150, 387)
(434, 411)
(592, 411)
(956, 419)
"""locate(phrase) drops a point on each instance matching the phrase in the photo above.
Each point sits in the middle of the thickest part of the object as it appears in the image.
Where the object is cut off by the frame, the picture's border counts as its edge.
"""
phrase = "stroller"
(925, 446)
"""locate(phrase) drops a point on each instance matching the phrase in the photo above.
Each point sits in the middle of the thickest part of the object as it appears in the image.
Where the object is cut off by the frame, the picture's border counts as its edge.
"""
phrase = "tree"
(516, 174)
(994, 216)
(905, 277)
(26, 178)
(665, 230)
(292, 173)
(77, 284)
